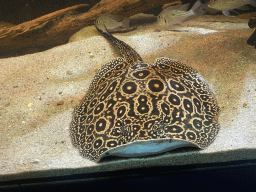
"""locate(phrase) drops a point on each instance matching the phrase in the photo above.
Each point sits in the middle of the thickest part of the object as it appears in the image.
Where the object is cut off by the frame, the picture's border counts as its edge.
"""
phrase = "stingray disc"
(132, 107)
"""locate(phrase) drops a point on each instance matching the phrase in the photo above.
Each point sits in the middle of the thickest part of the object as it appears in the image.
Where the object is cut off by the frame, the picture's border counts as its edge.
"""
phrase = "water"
(39, 91)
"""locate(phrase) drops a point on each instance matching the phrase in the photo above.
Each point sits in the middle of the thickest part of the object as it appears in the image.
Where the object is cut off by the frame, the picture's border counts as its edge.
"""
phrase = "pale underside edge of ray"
(142, 148)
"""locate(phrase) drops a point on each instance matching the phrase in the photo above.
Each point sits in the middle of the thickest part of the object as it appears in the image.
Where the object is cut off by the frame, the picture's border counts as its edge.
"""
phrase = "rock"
(60, 103)
(83, 34)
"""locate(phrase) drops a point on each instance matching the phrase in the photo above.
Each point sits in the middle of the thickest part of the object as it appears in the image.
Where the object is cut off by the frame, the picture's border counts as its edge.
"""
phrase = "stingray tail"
(129, 54)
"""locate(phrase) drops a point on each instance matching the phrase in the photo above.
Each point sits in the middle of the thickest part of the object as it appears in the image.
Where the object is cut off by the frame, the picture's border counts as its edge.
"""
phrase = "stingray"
(135, 109)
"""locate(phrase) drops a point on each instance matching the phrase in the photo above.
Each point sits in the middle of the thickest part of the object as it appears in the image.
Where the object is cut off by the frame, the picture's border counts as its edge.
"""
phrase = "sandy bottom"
(39, 91)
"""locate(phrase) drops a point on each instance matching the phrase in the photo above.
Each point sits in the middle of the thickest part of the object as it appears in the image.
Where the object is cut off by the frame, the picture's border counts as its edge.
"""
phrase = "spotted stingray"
(133, 108)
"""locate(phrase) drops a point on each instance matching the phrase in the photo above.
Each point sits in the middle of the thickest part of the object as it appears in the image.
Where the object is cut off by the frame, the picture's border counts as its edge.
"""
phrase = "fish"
(252, 39)
(136, 109)
(192, 29)
(252, 22)
(177, 14)
(227, 5)
(114, 23)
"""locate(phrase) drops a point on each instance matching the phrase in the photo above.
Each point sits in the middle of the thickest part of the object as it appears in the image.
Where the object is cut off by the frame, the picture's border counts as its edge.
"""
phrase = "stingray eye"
(165, 20)
(159, 17)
